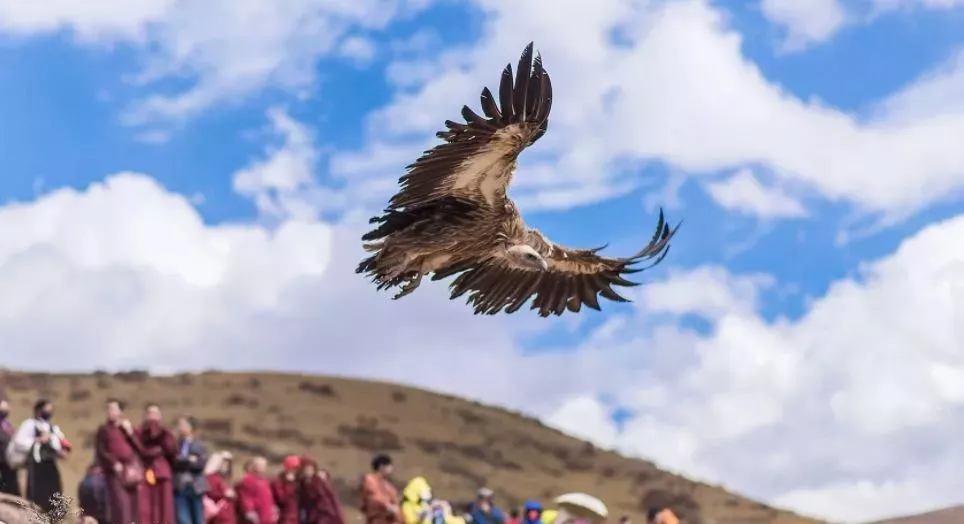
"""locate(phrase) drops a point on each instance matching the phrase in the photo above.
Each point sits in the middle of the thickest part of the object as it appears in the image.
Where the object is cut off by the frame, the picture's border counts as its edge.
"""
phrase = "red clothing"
(379, 500)
(285, 494)
(255, 498)
(113, 447)
(320, 502)
(156, 447)
(218, 488)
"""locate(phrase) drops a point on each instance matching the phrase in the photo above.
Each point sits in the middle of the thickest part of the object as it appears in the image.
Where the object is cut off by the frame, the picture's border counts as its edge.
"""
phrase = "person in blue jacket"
(532, 512)
(484, 510)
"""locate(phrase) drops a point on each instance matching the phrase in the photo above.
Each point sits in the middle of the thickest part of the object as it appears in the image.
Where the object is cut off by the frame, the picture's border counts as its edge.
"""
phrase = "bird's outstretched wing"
(574, 277)
(479, 156)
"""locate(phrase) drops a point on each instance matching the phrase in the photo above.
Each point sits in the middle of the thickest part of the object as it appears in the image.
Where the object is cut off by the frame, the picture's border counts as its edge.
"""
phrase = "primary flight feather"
(452, 216)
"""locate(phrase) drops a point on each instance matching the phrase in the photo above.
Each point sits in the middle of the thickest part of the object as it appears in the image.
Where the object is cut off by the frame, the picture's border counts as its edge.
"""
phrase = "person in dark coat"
(484, 511)
(8, 475)
(318, 501)
(190, 484)
(92, 494)
(118, 459)
(43, 445)
(157, 447)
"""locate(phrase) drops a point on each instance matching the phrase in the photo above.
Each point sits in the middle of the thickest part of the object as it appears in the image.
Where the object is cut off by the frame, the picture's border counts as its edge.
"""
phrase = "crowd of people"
(151, 474)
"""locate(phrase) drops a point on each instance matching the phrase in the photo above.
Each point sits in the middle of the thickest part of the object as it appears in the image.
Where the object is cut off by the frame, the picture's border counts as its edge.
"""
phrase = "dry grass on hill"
(458, 445)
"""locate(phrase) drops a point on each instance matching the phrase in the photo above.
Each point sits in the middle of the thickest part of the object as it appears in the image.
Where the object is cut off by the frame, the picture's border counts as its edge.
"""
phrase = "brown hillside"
(458, 445)
(953, 515)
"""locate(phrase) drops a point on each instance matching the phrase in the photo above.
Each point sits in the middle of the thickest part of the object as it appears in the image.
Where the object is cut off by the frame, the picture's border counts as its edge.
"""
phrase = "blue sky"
(802, 144)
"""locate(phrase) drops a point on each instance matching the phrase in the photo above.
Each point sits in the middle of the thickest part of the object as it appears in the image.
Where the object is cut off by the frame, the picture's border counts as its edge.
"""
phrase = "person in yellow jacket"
(420, 507)
(548, 516)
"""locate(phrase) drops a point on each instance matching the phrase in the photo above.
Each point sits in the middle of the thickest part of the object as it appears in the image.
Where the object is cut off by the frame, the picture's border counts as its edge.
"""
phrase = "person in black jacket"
(92, 494)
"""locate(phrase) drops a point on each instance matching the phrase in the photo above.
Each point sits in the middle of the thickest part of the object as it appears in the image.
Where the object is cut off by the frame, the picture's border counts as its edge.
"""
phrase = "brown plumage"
(452, 216)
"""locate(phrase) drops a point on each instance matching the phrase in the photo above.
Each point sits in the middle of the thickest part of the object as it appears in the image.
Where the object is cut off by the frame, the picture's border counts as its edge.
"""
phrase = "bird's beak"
(544, 264)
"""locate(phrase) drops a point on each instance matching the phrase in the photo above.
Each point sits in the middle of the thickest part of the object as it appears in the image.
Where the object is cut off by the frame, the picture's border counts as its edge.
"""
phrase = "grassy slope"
(458, 445)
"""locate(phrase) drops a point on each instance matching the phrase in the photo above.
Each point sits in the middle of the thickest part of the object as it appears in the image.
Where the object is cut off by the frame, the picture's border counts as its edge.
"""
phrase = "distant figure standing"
(190, 484)
(41, 445)
(255, 501)
(92, 494)
(8, 475)
(221, 498)
(379, 496)
(157, 447)
(319, 502)
(285, 488)
(123, 472)
(484, 510)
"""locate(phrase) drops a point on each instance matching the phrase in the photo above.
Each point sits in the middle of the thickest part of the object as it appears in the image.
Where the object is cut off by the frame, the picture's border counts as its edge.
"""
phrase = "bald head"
(258, 465)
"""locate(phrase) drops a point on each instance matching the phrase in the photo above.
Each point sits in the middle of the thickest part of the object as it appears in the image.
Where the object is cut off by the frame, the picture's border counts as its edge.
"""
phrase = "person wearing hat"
(285, 489)
(484, 510)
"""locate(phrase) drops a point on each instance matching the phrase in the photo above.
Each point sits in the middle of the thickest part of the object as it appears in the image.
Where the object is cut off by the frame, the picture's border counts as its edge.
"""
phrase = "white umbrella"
(582, 506)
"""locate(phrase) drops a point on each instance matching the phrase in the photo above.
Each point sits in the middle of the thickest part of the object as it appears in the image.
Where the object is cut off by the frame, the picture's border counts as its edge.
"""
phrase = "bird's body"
(452, 215)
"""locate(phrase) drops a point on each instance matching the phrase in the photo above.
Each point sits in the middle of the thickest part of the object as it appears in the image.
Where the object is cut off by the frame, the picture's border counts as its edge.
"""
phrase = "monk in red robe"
(255, 501)
(285, 490)
(122, 469)
(156, 446)
(319, 503)
(220, 492)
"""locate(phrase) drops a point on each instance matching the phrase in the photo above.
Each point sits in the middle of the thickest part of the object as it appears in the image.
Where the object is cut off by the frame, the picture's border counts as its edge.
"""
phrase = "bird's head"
(525, 256)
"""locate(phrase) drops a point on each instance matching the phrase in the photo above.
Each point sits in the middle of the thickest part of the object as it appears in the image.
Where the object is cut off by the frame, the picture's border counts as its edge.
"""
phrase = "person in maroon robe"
(285, 490)
(122, 468)
(156, 446)
(319, 503)
(255, 502)
(220, 492)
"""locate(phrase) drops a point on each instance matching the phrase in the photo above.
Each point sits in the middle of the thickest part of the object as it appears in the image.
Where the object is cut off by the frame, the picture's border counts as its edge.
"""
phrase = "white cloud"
(847, 412)
(359, 49)
(744, 193)
(283, 183)
(701, 107)
(817, 21)
(228, 50)
(806, 22)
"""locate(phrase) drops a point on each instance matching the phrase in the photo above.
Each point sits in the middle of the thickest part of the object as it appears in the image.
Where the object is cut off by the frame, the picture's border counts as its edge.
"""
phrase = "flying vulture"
(452, 216)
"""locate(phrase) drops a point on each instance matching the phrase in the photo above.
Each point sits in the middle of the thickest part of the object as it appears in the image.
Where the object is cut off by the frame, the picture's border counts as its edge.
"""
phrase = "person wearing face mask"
(285, 489)
(41, 444)
(8, 475)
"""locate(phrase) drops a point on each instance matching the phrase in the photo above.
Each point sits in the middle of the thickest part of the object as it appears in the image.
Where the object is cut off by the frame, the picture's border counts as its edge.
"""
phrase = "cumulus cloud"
(805, 22)
(701, 107)
(228, 50)
(816, 21)
(743, 192)
(843, 412)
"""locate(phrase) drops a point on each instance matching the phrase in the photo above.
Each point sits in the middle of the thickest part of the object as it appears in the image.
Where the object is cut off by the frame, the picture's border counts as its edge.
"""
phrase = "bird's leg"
(414, 279)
